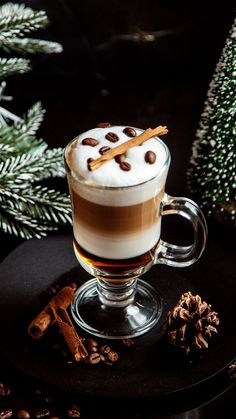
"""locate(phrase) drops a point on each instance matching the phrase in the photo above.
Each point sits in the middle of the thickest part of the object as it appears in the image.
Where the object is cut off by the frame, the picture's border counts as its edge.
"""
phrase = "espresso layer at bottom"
(112, 266)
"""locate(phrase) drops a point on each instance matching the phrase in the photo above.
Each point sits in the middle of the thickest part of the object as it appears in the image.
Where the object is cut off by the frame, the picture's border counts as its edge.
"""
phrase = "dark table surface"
(104, 75)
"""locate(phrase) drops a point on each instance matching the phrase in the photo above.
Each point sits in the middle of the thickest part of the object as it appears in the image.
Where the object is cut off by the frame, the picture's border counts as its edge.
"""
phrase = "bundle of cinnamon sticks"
(56, 311)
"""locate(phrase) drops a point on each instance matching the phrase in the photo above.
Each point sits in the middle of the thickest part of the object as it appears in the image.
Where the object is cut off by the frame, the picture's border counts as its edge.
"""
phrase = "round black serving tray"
(152, 367)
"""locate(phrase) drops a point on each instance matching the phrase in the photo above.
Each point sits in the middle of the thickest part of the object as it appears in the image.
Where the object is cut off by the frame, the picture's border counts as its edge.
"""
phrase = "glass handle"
(180, 256)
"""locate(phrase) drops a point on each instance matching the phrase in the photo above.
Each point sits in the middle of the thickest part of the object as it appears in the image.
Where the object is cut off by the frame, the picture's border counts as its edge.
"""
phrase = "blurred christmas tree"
(212, 172)
(27, 208)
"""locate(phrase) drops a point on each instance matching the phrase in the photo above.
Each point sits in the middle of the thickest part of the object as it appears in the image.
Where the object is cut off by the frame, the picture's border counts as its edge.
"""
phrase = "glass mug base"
(116, 310)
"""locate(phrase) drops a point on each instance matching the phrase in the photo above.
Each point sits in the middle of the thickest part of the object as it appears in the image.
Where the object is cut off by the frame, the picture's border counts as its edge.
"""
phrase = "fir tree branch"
(21, 225)
(17, 172)
(17, 20)
(31, 122)
(21, 135)
(37, 209)
(6, 151)
(9, 66)
(30, 46)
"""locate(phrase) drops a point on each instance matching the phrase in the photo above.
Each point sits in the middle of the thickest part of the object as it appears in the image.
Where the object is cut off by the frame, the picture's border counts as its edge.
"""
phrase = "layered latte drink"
(116, 208)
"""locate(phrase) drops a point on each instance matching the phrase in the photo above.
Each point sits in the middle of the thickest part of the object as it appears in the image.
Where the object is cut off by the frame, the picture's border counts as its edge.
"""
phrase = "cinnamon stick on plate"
(46, 317)
(72, 339)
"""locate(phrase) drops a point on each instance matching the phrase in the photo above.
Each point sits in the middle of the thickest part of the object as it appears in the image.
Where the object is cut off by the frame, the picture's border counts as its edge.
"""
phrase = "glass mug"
(117, 239)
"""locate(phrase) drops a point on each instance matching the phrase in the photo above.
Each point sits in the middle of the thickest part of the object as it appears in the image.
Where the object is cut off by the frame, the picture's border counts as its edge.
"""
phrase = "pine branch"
(17, 20)
(17, 172)
(6, 151)
(11, 222)
(21, 135)
(31, 122)
(30, 46)
(10, 66)
(37, 209)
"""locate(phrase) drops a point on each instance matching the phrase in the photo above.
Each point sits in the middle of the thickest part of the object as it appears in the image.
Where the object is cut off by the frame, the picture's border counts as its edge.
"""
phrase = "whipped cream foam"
(110, 173)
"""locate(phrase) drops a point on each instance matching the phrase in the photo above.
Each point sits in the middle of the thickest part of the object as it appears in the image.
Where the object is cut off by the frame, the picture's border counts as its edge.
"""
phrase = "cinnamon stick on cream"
(45, 318)
(122, 148)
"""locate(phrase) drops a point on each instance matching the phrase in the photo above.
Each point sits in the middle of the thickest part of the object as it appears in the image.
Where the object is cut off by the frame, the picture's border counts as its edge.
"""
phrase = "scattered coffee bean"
(5, 414)
(104, 149)
(150, 157)
(89, 161)
(73, 413)
(75, 406)
(124, 165)
(111, 136)
(93, 358)
(113, 356)
(54, 417)
(105, 349)
(130, 132)
(92, 142)
(23, 414)
(4, 390)
(104, 125)
(120, 158)
(43, 413)
(128, 342)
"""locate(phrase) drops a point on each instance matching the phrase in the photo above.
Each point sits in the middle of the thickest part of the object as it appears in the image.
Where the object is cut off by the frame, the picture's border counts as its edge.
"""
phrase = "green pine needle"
(17, 20)
(10, 66)
(30, 46)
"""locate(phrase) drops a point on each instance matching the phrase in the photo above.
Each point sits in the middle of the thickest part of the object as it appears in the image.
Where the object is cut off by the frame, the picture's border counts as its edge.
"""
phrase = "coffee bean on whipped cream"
(124, 165)
(130, 132)
(104, 149)
(111, 136)
(120, 158)
(150, 157)
(89, 161)
(92, 142)
(104, 125)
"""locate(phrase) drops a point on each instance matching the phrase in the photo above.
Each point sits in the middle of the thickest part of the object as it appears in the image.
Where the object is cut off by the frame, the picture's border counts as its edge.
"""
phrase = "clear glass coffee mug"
(117, 239)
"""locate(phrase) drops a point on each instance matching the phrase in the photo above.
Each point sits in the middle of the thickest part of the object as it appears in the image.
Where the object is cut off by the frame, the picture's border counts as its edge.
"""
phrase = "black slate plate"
(152, 367)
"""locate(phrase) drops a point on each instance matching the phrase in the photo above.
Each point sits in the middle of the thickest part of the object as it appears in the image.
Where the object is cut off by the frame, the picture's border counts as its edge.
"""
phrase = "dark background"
(135, 62)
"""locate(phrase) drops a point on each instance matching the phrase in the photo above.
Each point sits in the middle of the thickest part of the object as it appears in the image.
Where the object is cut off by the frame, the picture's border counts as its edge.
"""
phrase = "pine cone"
(191, 323)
